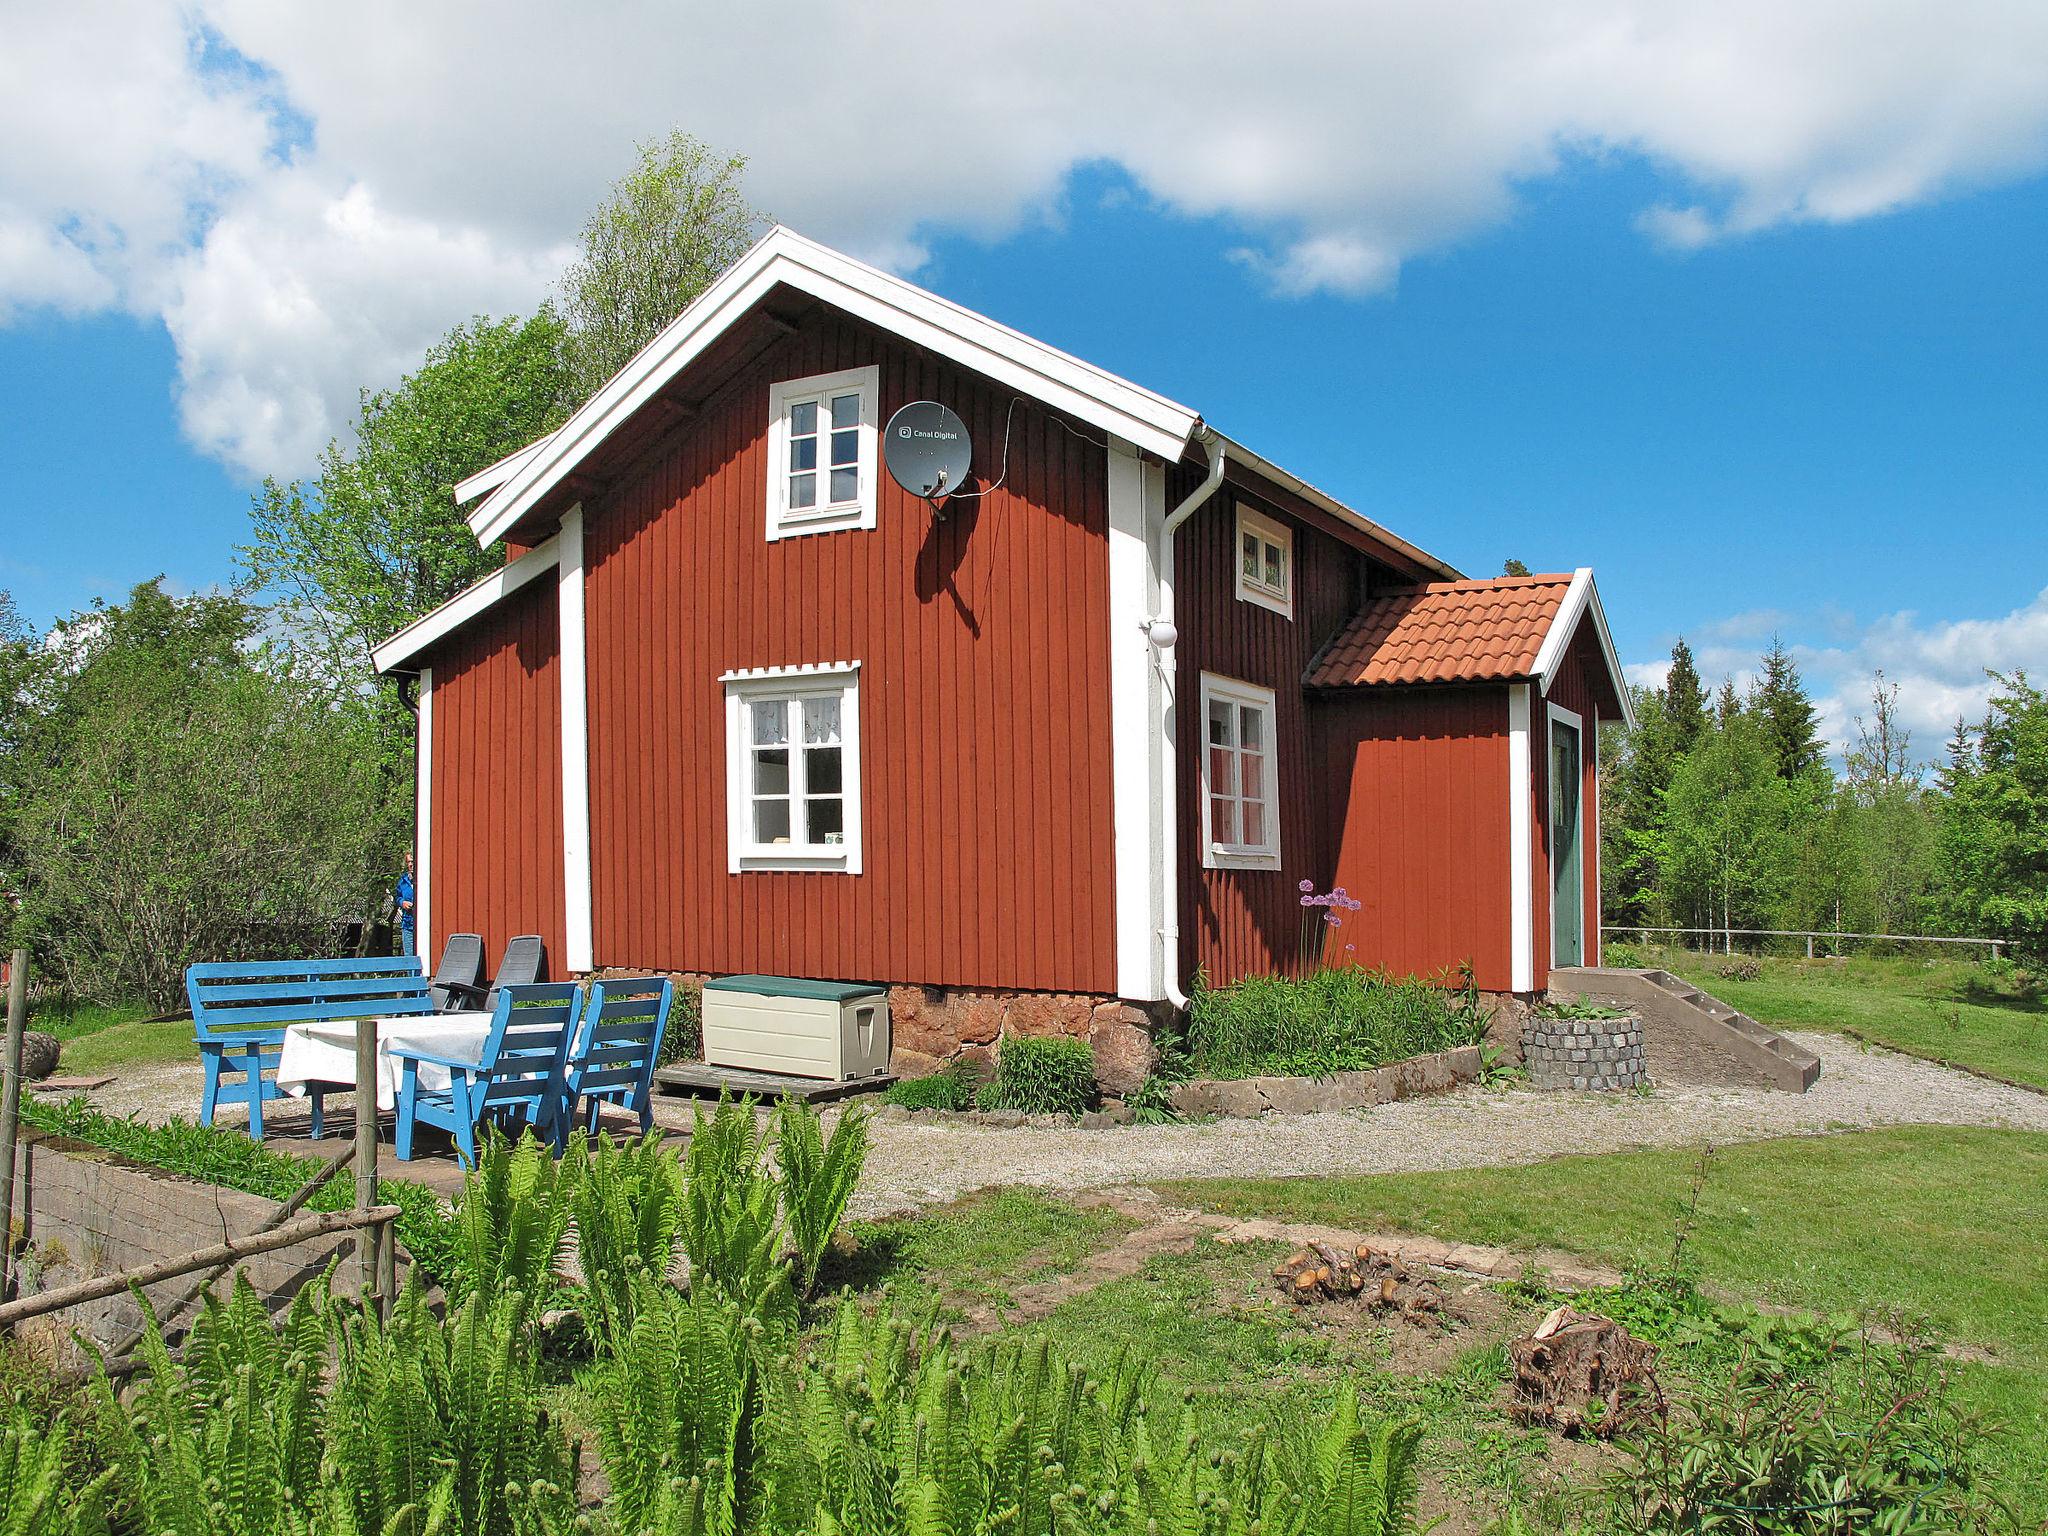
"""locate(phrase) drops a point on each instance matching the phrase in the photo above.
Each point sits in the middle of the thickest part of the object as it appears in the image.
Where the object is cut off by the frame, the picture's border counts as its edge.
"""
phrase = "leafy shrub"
(951, 1087)
(628, 1204)
(37, 1497)
(512, 1220)
(1042, 1075)
(731, 1226)
(1151, 1102)
(818, 1177)
(683, 1037)
(1334, 1020)
(1869, 1439)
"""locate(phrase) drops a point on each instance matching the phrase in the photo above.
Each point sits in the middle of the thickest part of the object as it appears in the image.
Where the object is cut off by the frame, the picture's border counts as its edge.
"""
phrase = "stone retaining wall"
(1597, 1055)
(81, 1212)
(1247, 1097)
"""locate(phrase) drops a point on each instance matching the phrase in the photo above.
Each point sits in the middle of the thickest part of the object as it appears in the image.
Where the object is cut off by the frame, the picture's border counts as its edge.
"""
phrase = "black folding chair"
(523, 963)
(462, 966)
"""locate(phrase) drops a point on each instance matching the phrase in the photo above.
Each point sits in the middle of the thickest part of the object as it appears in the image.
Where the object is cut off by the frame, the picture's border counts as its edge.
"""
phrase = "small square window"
(1265, 562)
(823, 447)
(793, 771)
(1238, 781)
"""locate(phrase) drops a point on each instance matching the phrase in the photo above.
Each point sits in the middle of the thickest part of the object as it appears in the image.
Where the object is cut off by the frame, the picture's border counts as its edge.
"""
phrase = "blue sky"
(1740, 305)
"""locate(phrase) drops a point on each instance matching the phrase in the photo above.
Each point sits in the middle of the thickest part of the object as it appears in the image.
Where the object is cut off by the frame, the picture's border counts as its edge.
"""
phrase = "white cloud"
(1941, 667)
(308, 194)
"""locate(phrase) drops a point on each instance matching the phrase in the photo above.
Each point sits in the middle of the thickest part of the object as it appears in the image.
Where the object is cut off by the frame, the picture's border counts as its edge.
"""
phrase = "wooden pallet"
(701, 1080)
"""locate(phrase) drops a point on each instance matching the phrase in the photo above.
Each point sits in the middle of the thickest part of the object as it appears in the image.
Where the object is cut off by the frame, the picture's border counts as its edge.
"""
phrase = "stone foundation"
(1596, 1055)
(931, 1026)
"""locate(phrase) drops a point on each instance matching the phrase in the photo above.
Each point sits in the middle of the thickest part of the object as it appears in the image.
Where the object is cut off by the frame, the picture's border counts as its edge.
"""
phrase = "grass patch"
(1953, 1010)
(1941, 1223)
(129, 1044)
(74, 1021)
(1336, 1019)
(976, 1249)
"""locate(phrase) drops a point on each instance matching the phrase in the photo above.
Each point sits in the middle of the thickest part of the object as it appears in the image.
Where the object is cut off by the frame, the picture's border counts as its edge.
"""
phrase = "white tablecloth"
(326, 1052)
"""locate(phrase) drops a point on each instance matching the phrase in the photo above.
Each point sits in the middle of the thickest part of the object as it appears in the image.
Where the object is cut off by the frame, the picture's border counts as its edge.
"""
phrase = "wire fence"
(1820, 943)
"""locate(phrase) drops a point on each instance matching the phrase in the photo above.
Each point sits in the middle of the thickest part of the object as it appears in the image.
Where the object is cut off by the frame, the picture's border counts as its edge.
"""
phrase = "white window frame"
(1264, 855)
(840, 680)
(1256, 590)
(826, 517)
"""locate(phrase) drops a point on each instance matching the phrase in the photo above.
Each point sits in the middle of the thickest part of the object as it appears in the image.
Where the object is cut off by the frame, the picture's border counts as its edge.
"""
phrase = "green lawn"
(139, 1043)
(1948, 1009)
(1942, 1223)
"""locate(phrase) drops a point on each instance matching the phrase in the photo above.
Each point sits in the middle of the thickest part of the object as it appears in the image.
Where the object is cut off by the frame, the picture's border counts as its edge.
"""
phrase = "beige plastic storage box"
(835, 1030)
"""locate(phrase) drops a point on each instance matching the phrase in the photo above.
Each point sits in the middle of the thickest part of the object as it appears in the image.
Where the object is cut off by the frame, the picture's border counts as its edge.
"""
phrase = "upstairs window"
(793, 768)
(822, 448)
(1265, 562)
(1240, 803)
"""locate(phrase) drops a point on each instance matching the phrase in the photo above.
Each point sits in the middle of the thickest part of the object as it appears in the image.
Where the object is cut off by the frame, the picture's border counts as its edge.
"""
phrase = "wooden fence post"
(369, 1240)
(10, 1109)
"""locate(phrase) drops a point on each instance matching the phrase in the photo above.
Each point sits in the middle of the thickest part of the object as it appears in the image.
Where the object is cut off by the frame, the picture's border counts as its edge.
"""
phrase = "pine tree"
(1782, 707)
(1685, 699)
(1727, 704)
(1514, 568)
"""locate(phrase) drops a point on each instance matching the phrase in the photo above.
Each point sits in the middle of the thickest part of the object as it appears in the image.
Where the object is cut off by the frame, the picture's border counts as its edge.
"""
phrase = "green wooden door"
(1567, 848)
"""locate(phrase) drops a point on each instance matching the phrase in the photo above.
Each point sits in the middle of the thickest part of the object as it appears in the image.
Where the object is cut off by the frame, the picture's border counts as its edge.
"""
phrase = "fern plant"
(37, 1496)
(818, 1178)
(673, 1408)
(628, 1205)
(512, 1220)
(732, 1222)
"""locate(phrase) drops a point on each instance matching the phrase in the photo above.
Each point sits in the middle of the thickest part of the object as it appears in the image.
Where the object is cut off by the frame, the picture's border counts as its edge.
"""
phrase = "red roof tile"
(1447, 632)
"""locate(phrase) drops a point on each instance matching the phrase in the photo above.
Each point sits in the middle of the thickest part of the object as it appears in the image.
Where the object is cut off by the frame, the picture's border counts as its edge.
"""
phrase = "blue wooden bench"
(240, 1011)
(515, 1080)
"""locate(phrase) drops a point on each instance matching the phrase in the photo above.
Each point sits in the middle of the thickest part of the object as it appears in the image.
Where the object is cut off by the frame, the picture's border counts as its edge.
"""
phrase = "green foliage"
(683, 1038)
(629, 1214)
(37, 1493)
(1994, 834)
(1578, 1010)
(1151, 1102)
(180, 800)
(512, 1221)
(731, 1227)
(952, 1087)
(1041, 1075)
(1869, 1439)
(1726, 850)
(1340, 1018)
(818, 1176)
(663, 234)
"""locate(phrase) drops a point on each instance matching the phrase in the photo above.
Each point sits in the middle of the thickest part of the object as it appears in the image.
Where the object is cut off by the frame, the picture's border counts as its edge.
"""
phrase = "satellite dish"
(926, 448)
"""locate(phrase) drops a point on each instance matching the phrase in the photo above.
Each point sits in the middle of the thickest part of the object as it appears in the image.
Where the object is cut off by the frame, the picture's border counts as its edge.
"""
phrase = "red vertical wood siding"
(984, 697)
(1418, 823)
(1236, 922)
(1581, 685)
(496, 862)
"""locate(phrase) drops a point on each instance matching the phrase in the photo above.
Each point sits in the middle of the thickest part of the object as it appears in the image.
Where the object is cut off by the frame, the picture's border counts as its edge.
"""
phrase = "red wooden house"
(739, 703)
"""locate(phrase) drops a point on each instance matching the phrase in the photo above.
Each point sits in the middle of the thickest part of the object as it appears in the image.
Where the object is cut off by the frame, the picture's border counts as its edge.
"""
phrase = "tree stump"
(1582, 1372)
(1378, 1281)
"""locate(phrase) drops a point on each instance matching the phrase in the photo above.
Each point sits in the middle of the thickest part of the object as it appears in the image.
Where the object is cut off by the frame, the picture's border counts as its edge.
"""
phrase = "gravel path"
(929, 1161)
(918, 1162)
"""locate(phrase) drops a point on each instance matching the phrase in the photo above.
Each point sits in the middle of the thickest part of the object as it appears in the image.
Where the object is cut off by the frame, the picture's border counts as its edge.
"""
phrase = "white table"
(326, 1052)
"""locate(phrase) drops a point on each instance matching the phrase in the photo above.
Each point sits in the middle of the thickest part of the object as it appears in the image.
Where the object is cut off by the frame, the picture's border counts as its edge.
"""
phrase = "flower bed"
(1332, 1019)
(1249, 1097)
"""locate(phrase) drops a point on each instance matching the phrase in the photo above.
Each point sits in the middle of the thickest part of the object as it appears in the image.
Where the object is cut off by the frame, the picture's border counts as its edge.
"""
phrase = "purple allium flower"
(1333, 920)
(1354, 904)
(1308, 901)
(1308, 885)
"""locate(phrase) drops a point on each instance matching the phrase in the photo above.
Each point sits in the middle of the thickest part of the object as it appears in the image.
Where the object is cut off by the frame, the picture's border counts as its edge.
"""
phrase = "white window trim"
(1250, 520)
(839, 679)
(838, 517)
(1239, 855)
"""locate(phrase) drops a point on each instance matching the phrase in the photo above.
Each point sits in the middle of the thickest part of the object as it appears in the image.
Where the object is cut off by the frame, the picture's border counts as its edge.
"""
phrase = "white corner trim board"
(464, 606)
(577, 926)
(1133, 714)
(1521, 847)
(423, 806)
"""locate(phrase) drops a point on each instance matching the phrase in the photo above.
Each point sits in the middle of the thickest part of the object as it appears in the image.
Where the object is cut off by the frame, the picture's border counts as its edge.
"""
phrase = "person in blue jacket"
(407, 906)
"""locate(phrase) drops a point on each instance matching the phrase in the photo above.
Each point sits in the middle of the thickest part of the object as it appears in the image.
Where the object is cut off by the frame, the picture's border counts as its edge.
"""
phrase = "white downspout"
(1165, 636)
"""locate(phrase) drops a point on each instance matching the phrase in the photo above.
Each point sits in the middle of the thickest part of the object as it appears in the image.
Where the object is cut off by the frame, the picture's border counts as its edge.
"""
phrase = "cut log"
(1580, 1372)
(1320, 1272)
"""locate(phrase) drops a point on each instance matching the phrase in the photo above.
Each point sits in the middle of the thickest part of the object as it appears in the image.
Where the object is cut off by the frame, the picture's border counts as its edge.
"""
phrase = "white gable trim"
(464, 606)
(1065, 383)
(492, 476)
(1581, 598)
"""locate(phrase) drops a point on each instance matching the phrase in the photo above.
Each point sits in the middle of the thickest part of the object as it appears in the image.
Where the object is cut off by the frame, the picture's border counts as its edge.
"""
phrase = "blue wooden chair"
(516, 1078)
(240, 1010)
(617, 1045)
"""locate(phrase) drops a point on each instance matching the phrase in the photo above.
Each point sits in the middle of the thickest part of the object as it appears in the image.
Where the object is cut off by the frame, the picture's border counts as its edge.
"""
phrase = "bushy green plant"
(1580, 1009)
(1042, 1075)
(1151, 1102)
(38, 1495)
(628, 1204)
(682, 1039)
(951, 1088)
(818, 1175)
(512, 1220)
(732, 1227)
(1339, 1018)
(1869, 1440)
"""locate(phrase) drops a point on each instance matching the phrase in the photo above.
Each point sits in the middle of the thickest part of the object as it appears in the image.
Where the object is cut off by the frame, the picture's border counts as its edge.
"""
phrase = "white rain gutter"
(1164, 637)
